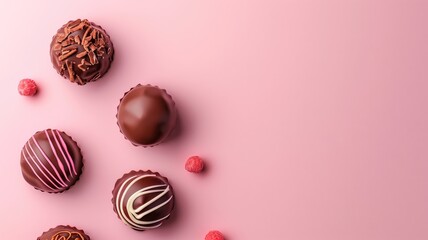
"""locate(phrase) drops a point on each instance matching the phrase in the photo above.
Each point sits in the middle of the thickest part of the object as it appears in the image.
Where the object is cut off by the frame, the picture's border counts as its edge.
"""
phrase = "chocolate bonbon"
(62, 232)
(146, 115)
(143, 200)
(51, 161)
(81, 51)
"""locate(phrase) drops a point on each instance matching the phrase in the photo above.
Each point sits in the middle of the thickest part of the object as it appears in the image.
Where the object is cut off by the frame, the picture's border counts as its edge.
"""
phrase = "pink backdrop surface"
(312, 117)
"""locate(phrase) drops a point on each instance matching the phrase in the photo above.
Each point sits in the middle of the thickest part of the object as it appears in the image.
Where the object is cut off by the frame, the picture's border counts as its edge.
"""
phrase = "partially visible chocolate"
(143, 200)
(51, 161)
(146, 115)
(81, 51)
(64, 233)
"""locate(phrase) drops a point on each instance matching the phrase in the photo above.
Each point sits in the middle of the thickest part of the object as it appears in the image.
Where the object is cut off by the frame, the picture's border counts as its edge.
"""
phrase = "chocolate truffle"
(51, 161)
(81, 51)
(64, 233)
(143, 200)
(146, 115)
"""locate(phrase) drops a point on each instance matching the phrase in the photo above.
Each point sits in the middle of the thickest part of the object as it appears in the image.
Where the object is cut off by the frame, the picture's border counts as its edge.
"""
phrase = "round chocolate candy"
(51, 161)
(146, 115)
(143, 200)
(64, 233)
(81, 51)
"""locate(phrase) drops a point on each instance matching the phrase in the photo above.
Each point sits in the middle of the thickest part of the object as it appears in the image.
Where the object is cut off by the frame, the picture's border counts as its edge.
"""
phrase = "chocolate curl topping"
(87, 47)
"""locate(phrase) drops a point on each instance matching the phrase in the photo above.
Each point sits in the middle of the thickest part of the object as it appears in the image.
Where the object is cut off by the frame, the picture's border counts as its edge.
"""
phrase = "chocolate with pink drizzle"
(51, 161)
(81, 51)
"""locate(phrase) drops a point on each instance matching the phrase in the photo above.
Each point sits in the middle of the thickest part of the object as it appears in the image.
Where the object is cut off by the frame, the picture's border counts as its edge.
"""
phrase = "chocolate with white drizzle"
(143, 200)
(81, 51)
(51, 161)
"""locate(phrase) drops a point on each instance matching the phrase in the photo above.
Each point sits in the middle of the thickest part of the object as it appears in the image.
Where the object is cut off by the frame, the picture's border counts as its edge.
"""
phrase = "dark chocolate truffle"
(81, 51)
(64, 233)
(146, 115)
(51, 161)
(143, 200)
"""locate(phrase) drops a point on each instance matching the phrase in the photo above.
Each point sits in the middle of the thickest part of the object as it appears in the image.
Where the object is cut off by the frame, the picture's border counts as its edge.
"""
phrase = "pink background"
(311, 115)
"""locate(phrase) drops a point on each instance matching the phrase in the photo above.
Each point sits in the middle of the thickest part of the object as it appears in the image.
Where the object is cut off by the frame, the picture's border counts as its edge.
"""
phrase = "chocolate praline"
(51, 161)
(81, 51)
(143, 200)
(146, 115)
(63, 232)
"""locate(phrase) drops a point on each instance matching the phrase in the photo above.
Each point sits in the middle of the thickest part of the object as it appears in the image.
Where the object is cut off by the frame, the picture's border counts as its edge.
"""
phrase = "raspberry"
(27, 87)
(194, 164)
(214, 235)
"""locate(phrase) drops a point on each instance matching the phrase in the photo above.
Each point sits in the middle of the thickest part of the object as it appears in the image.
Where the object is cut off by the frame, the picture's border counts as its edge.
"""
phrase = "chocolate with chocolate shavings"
(81, 51)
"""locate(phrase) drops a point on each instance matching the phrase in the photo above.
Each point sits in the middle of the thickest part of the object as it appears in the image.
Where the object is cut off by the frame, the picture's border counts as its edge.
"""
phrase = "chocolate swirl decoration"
(51, 161)
(63, 232)
(67, 235)
(143, 200)
(81, 51)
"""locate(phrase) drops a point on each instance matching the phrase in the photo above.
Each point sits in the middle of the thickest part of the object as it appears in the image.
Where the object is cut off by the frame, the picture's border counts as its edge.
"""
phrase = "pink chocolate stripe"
(49, 161)
(41, 164)
(61, 166)
(38, 167)
(66, 151)
(62, 152)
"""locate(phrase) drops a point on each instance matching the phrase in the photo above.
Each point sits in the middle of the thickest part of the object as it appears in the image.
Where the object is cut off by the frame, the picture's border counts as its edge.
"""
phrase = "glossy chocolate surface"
(143, 200)
(146, 115)
(51, 161)
(64, 233)
(81, 51)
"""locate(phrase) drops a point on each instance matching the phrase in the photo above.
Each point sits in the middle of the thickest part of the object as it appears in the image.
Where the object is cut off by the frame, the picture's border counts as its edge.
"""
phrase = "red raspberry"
(27, 87)
(194, 164)
(214, 235)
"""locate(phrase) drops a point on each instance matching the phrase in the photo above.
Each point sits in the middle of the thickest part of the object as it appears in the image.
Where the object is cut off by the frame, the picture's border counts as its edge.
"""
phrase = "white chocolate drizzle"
(137, 214)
